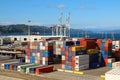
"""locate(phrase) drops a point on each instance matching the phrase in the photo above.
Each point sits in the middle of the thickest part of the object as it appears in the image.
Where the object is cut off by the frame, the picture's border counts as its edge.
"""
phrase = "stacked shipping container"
(40, 52)
(116, 49)
(92, 50)
(113, 74)
(106, 51)
(73, 56)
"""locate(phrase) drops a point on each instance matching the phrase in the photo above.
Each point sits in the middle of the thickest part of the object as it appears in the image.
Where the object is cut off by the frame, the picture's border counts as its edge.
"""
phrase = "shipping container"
(113, 74)
(19, 67)
(7, 65)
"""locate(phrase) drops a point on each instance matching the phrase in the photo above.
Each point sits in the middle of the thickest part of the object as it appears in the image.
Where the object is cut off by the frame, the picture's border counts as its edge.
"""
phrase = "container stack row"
(74, 56)
(92, 50)
(40, 52)
(27, 68)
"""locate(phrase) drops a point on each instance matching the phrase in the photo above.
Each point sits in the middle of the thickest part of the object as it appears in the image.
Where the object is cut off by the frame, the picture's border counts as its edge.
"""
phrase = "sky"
(85, 14)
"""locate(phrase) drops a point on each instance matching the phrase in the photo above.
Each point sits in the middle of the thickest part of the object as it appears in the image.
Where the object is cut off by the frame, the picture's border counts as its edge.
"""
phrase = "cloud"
(87, 8)
(60, 6)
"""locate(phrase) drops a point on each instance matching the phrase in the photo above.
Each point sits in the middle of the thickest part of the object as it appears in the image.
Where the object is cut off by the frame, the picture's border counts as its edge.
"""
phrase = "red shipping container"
(117, 49)
(70, 49)
(66, 57)
(62, 49)
(89, 44)
(106, 61)
(73, 58)
(70, 63)
(28, 43)
(66, 53)
(63, 61)
(41, 51)
(44, 69)
(41, 58)
(108, 45)
(36, 51)
(117, 54)
(59, 66)
(28, 57)
(59, 46)
(73, 68)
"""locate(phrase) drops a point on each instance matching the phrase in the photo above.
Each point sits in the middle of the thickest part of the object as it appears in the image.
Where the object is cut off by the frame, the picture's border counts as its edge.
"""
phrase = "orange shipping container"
(106, 61)
(49, 59)
(63, 61)
(48, 47)
(11, 67)
(99, 42)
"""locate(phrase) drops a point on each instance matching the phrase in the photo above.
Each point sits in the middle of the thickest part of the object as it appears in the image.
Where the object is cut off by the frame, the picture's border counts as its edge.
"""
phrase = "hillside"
(23, 29)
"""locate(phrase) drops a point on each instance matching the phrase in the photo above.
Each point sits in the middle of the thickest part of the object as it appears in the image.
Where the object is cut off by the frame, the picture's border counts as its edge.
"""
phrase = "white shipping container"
(117, 42)
(38, 54)
(58, 49)
(82, 67)
(81, 62)
(113, 42)
(41, 44)
(82, 57)
(115, 64)
(30, 47)
(117, 46)
(110, 60)
(74, 39)
(33, 54)
(113, 74)
(27, 60)
(63, 57)
(113, 49)
(63, 66)
(42, 47)
(43, 60)
(58, 53)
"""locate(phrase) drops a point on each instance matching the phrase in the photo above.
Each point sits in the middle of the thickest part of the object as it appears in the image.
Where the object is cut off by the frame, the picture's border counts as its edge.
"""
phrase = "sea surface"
(115, 36)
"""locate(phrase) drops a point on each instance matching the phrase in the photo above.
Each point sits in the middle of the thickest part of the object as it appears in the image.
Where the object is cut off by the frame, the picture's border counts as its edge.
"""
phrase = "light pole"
(29, 30)
(29, 27)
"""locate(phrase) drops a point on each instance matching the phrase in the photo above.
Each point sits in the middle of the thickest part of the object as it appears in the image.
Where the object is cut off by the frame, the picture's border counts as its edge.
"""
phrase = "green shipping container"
(23, 68)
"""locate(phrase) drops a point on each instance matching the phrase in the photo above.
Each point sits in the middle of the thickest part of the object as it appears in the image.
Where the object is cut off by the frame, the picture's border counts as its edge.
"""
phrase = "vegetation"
(23, 29)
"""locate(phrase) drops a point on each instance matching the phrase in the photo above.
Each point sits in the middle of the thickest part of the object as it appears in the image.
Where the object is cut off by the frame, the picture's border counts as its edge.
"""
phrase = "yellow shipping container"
(92, 51)
(78, 48)
(34, 47)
